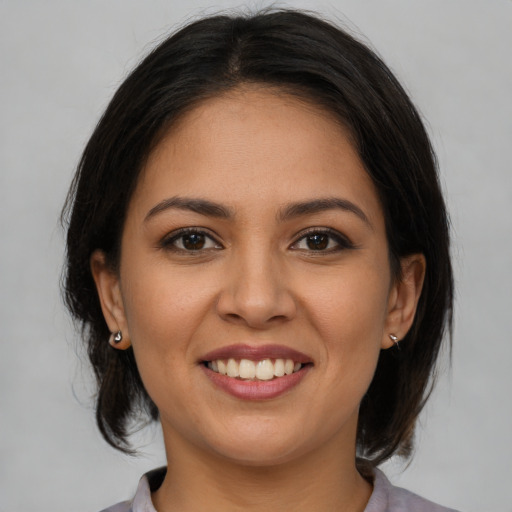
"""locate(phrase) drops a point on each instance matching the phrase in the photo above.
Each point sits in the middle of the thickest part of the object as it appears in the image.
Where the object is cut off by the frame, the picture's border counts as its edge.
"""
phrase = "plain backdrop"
(61, 61)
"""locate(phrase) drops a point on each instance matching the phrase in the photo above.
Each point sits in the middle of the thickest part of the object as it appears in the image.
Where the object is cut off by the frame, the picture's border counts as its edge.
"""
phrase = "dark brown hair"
(323, 64)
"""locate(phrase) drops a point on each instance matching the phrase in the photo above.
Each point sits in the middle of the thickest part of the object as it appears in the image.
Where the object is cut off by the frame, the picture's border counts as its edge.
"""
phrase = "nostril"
(233, 316)
(257, 306)
(277, 318)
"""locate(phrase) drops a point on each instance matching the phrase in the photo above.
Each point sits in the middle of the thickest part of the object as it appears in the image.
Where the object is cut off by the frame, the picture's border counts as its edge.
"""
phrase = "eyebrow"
(321, 205)
(201, 206)
(212, 209)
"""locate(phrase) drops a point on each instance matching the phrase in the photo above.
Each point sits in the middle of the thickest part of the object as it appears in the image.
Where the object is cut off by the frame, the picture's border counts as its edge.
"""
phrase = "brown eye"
(189, 241)
(326, 240)
(193, 241)
(317, 241)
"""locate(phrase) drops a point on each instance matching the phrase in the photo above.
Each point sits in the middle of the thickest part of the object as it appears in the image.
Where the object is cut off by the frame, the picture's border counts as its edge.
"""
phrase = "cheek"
(162, 317)
(158, 300)
(163, 311)
(351, 306)
(349, 315)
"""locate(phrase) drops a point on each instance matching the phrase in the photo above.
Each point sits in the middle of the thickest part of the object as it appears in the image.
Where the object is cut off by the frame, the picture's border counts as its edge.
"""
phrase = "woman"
(258, 254)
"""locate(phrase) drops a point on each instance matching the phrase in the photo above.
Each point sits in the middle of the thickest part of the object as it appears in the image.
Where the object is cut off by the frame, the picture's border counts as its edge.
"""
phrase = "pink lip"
(256, 390)
(257, 353)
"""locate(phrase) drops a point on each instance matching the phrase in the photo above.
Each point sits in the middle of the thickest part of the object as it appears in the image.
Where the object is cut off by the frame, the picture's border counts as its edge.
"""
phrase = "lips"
(257, 353)
(256, 373)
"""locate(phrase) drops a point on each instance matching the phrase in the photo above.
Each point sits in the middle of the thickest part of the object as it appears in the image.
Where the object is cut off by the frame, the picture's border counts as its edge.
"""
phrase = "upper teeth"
(266, 369)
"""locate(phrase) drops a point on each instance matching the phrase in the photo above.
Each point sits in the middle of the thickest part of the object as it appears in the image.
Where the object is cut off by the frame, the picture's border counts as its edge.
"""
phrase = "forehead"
(256, 142)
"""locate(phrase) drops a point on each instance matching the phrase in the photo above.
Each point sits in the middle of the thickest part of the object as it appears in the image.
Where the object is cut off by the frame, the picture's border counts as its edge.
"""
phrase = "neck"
(325, 480)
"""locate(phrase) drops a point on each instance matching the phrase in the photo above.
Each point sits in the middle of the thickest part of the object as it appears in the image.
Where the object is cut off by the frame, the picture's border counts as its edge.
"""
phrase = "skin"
(256, 151)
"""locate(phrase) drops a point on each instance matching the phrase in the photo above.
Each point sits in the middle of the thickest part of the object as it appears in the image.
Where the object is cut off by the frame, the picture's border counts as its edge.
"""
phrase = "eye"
(190, 240)
(322, 240)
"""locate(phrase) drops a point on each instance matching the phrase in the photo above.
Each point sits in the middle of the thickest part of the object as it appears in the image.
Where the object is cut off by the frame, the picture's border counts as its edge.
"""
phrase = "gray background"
(61, 61)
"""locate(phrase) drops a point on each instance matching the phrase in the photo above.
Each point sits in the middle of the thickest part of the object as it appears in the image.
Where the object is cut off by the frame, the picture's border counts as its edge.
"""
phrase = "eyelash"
(169, 242)
(341, 241)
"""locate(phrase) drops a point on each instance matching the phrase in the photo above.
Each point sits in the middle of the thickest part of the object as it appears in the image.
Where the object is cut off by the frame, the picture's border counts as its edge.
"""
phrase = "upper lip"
(256, 353)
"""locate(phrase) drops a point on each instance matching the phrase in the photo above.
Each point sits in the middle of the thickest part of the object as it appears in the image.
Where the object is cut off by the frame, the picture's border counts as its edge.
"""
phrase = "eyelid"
(169, 239)
(343, 242)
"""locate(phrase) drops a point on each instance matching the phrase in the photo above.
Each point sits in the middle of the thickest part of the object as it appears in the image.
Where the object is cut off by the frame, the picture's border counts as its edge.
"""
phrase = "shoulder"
(388, 498)
(124, 506)
(141, 502)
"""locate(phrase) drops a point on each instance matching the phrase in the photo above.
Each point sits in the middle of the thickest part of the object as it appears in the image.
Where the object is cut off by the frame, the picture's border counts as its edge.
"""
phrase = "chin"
(261, 447)
(259, 456)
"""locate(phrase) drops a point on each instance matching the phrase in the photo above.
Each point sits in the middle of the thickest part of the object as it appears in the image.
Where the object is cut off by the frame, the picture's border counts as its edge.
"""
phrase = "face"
(255, 244)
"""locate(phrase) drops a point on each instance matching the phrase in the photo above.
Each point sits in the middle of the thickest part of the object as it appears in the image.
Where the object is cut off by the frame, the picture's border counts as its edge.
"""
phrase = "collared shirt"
(385, 497)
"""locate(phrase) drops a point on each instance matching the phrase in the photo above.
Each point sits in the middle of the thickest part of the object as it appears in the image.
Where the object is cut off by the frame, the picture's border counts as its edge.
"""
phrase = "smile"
(256, 372)
(246, 369)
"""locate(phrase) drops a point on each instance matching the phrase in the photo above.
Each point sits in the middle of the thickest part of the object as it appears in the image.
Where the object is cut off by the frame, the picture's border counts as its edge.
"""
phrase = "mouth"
(260, 370)
(256, 373)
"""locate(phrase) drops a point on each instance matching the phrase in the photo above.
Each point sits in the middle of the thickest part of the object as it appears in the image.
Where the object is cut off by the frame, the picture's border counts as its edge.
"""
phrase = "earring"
(394, 339)
(115, 338)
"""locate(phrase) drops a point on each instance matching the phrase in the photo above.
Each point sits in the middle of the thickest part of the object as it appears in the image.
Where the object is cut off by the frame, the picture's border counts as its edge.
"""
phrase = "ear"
(403, 298)
(109, 292)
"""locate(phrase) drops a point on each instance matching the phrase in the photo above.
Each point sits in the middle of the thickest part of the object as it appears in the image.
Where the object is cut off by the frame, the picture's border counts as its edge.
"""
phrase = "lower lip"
(256, 389)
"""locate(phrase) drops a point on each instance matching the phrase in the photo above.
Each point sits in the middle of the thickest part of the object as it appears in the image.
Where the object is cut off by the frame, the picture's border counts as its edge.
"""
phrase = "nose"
(256, 292)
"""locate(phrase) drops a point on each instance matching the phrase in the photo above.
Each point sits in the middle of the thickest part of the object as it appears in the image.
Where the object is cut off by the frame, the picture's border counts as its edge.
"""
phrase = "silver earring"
(394, 339)
(115, 338)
